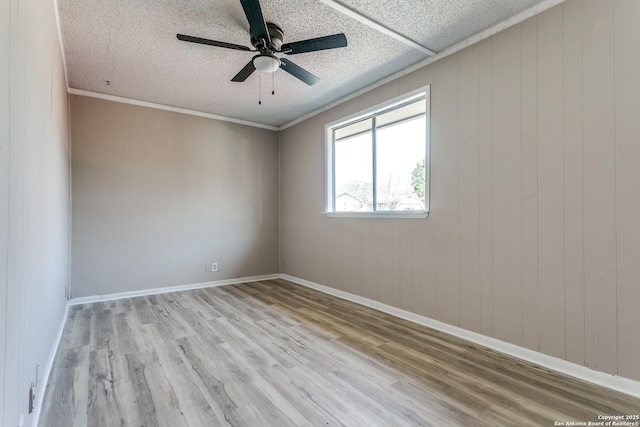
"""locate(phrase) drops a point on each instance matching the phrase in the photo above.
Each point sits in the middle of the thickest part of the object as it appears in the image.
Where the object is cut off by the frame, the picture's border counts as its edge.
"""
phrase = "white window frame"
(375, 110)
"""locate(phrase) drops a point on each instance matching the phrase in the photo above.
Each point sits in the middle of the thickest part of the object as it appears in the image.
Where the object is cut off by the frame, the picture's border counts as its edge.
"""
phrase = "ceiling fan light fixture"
(266, 63)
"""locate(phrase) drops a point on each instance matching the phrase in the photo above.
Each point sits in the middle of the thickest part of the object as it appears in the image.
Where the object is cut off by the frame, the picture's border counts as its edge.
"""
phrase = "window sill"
(399, 214)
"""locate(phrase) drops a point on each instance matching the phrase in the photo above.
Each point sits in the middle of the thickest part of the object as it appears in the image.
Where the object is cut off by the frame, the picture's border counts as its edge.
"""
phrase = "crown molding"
(130, 101)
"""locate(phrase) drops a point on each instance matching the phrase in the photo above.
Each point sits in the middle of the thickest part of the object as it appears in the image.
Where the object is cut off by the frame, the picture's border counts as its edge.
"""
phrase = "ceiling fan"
(266, 39)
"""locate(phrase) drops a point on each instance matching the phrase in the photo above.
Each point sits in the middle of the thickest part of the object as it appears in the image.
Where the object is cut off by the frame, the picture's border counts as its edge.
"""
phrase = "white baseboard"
(164, 290)
(42, 385)
(614, 382)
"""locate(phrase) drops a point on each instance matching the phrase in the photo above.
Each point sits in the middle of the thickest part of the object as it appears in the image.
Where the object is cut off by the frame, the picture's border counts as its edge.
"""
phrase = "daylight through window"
(377, 162)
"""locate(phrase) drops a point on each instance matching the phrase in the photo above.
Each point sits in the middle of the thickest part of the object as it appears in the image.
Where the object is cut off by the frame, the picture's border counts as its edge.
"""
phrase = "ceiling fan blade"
(298, 72)
(311, 45)
(216, 43)
(244, 73)
(258, 27)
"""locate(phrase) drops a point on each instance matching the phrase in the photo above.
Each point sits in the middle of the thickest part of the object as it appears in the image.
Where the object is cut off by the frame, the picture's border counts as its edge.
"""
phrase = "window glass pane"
(400, 160)
(405, 112)
(354, 129)
(353, 170)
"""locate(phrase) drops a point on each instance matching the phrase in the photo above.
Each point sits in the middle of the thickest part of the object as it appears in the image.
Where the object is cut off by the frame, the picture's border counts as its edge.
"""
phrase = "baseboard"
(42, 386)
(614, 382)
(164, 290)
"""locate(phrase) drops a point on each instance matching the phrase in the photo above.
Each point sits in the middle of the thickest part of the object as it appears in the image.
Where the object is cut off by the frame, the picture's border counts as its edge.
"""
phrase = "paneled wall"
(5, 134)
(34, 200)
(158, 194)
(534, 231)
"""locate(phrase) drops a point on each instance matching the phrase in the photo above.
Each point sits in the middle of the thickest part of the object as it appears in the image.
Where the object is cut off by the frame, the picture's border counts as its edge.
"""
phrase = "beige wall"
(534, 232)
(5, 114)
(157, 194)
(34, 200)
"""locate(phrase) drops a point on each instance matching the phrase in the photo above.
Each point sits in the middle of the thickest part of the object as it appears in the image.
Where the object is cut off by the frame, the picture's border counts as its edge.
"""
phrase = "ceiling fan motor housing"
(275, 33)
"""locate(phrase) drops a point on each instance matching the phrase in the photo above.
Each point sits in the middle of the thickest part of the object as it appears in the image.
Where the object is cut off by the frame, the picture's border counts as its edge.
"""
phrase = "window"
(378, 160)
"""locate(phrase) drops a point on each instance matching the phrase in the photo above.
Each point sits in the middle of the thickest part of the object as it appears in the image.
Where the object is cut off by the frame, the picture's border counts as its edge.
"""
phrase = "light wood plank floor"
(274, 353)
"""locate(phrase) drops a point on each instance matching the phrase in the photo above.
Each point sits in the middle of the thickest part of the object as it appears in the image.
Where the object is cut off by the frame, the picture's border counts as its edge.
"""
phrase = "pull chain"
(259, 88)
(273, 83)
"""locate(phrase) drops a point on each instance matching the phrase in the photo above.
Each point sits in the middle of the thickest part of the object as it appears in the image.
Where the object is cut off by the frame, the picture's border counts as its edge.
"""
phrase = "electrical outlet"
(212, 267)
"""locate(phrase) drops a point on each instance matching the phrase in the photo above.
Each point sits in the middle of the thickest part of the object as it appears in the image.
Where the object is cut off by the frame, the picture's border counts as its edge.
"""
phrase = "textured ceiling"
(132, 44)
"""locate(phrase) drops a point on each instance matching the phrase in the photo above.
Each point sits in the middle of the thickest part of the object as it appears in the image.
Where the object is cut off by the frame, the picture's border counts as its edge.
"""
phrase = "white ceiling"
(132, 44)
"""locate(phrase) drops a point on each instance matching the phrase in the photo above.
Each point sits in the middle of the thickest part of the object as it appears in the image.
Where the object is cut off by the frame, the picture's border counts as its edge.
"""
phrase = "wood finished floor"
(277, 354)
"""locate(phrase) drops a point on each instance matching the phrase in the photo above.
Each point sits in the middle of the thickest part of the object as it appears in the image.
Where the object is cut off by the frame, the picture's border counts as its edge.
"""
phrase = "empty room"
(319, 213)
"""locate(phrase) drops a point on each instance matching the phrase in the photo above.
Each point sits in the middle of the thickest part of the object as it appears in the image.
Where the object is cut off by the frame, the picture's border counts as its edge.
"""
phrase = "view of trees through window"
(380, 162)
